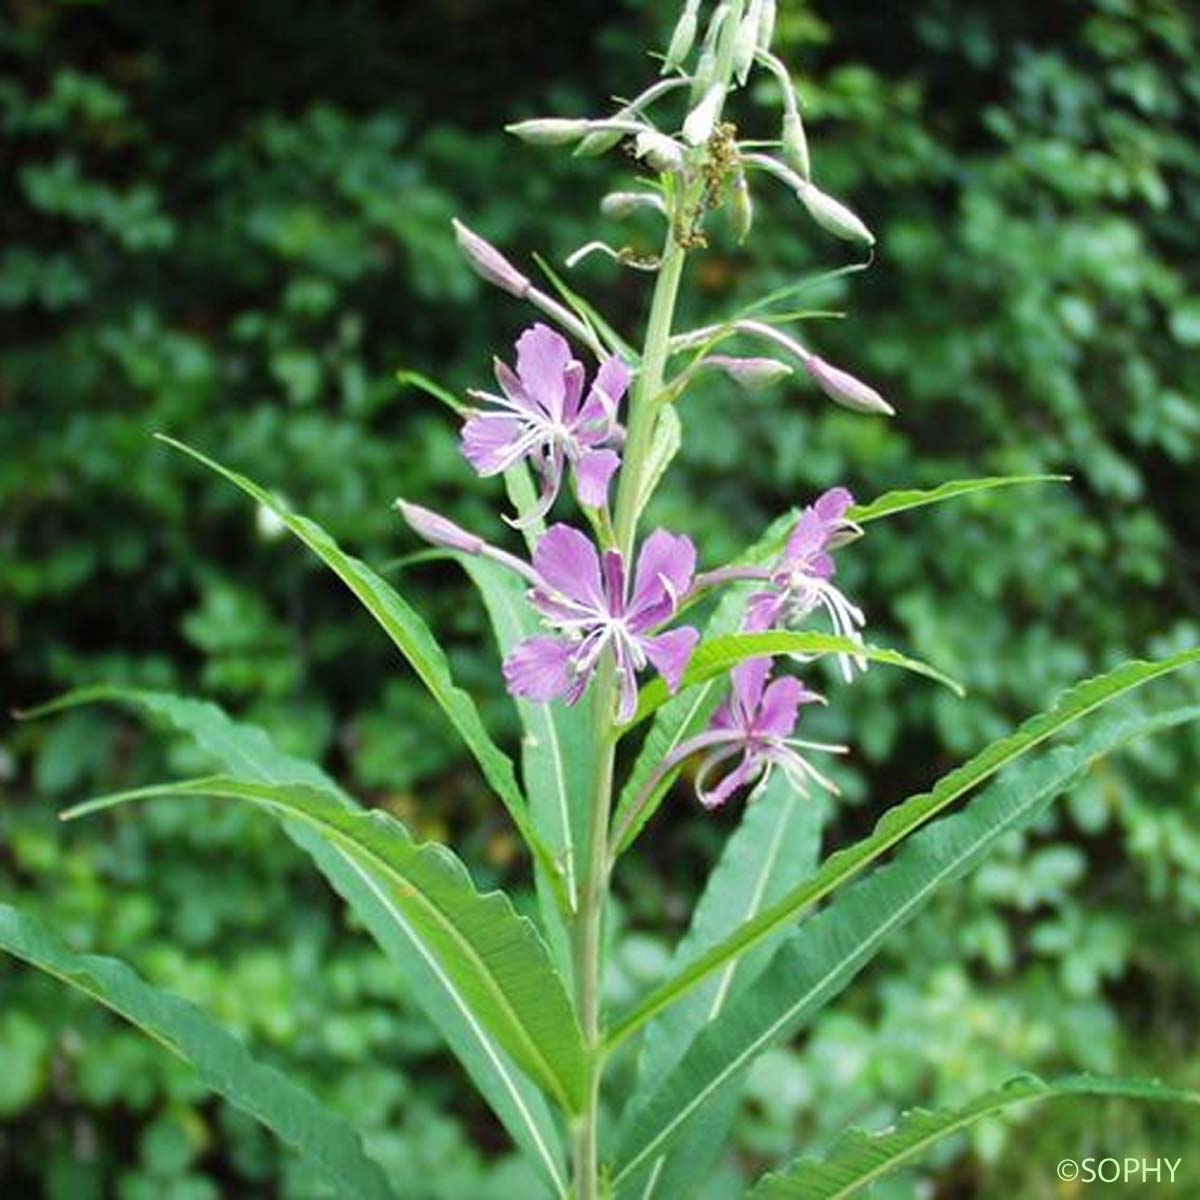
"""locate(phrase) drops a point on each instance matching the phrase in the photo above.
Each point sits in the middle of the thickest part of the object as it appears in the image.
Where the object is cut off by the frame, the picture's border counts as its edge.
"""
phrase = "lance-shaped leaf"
(556, 752)
(293, 1114)
(720, 655)
(898, 822)
(834, 945)
(413, 639)
(858, 1158)
(494, 958)
(901, 501)
(248, 752)
(775, 847)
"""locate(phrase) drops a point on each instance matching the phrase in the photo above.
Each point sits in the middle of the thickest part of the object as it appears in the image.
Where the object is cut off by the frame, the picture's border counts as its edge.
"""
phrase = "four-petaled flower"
(757, 721)
(587, 600)
(802, 580)
(542, 416)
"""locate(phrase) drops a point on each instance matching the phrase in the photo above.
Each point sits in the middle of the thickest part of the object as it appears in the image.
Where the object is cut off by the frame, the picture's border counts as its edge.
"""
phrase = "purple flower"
(587, 600)
(540, 416)
(757, 721)
(802, 580)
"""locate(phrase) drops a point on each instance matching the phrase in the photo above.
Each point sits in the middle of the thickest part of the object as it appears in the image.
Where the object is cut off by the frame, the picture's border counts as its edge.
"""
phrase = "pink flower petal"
(664, 572)
(671, 652)
(593, 472)
(747, 681)
(831, 506)
(744, 773)
(539, 669)
(543, 357)
(568, 563)
(780, 707)
(488, 440)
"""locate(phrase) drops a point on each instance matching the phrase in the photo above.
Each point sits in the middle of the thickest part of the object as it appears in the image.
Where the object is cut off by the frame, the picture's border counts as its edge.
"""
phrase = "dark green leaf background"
(231, 224)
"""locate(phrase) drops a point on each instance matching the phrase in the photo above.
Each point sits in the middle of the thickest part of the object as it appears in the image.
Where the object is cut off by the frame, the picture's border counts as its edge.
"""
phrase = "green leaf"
(413, 639)
(556, 753)
(493, 958)
(589, 315)
(775, 847)
(831, 947)
(901, 501)
(898, 822)
(432, 388)
(247, 751)
(716, 657)
(859, 1157)
(223, 1063)
(668, 437)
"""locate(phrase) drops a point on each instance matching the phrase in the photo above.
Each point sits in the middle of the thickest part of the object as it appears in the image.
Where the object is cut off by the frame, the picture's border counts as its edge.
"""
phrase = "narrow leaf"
(859, 1157)
(588, 314)
(432, 388)
(717, 657)
(293, 1114)
(247, 751)
(901, 501)
(830, 948)
(412, 638)
(898, 822)
(493, 957)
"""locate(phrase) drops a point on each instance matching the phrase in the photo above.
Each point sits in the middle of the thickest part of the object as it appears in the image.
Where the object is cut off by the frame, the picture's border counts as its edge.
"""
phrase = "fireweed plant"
(620, 647)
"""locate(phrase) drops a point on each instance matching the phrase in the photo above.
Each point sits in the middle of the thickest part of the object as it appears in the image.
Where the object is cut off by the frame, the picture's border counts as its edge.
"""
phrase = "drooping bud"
(766, 25)
(701, 121)
(746, 42)
(753, 374)
(741, 208)
(488, 263)
(842, 387)
(832, 214)
(622, 204)
(661, 152)
(683, 38)
(795, 143)
(437, 530)
(550, 131)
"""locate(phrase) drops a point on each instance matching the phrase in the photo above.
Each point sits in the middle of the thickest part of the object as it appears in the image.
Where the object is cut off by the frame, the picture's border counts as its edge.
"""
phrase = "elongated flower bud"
(746, 42)
(550, 131)
(701, 121)
(488, 263)
(437, 530)
(753, 374)
(842, 387)
(741, 208)
(661, 152)
(795, 143)
(683, 38)
(766, 25)
(833, 215)
(622, 204)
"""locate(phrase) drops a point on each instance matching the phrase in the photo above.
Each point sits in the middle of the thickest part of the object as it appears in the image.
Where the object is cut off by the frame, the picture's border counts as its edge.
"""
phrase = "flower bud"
(701, 121)
(832, 215)
(549, 131)
(622, 204)
(706, 72)
(746, 42)
(488, 263)
(683, 38)
(842, 388)
(437, 530)
(661, 152)
(795, 143)
(766, 25)
(753, 374)
(741, 209)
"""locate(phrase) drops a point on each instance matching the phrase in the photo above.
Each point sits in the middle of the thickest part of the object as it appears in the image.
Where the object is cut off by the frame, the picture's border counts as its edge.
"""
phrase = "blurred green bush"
(235, 228)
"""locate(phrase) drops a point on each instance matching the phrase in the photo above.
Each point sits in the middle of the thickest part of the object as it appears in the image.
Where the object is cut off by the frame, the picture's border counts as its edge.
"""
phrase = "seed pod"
(435, 529)
(683, 38)
(701, 121)
(741, 208)
(795, 143)
(549, 131)
(488, 263)
(833, 215)
(842, 387)
(660, 152)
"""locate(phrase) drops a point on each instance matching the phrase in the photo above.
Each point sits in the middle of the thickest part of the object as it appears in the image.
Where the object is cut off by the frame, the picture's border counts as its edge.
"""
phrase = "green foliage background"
(233, 224)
